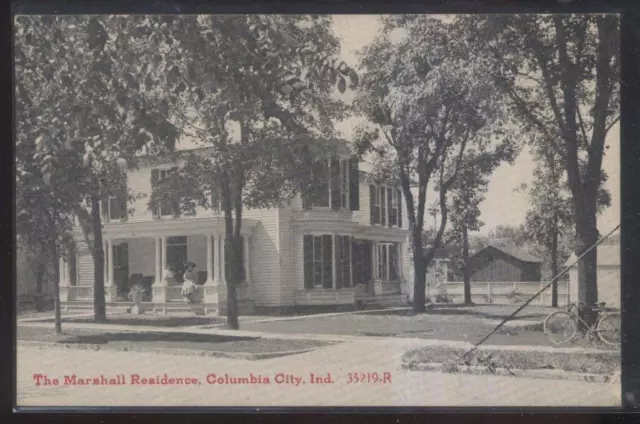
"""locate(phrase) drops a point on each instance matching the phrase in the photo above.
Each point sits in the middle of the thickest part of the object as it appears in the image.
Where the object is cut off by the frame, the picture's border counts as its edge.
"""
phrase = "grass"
(149, 320)
(594, 363)
(188, 341)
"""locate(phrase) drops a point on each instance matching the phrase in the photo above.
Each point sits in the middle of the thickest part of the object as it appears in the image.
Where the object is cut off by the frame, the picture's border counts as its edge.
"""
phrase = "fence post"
(489, 292)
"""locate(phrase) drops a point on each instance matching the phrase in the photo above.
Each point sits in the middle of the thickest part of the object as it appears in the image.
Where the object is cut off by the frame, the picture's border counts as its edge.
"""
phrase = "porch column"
(63, 273)
(212, 279)
(158, 268)
(110, 289)
(159, 288)
(211, 287)
(247, 259)
(221, 261)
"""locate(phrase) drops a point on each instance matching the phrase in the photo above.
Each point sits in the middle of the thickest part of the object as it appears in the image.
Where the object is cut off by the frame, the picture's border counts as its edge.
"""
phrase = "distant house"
(499, 263)
(608, 268)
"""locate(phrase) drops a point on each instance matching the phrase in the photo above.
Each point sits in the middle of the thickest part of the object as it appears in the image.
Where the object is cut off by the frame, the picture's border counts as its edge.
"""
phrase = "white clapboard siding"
(85, 265)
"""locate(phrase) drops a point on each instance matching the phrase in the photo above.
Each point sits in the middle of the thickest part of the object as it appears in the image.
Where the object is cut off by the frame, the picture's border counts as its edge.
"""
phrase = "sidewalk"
(405, 341)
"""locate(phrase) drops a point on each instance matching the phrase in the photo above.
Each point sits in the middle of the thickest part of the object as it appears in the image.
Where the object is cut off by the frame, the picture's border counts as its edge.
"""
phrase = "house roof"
(608, 255)
(514, 252)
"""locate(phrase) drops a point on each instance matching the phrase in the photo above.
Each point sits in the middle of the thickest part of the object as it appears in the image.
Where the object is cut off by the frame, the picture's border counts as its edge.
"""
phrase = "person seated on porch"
(168, 276)
(189, 284)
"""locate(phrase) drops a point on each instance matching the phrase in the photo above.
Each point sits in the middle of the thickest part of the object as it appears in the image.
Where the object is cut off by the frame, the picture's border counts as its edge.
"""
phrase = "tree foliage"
(428, 100)
(561, 75)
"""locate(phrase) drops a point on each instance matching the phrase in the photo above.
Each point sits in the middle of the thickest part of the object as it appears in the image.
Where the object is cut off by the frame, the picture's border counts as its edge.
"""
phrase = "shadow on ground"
(147, 320)
(152, 337)
(498, 313)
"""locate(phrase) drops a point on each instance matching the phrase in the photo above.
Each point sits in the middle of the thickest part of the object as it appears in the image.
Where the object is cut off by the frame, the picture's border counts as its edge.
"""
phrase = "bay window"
(318, 261)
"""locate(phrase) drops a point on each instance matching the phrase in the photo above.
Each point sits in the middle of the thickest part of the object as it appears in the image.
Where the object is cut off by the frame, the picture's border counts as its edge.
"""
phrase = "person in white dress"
(189, 283)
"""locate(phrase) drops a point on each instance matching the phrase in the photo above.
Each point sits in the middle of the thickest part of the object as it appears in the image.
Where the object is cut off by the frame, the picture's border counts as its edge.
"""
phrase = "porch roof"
(168, 227)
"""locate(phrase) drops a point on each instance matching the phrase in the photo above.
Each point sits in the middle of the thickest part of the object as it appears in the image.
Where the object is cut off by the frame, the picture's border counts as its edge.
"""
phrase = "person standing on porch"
(189, 284)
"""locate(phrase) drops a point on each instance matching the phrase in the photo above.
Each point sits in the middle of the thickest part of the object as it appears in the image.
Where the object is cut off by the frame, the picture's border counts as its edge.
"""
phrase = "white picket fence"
(505, 292)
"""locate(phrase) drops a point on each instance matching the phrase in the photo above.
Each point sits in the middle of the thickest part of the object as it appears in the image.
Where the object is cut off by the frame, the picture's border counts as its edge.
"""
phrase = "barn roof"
(514, 252)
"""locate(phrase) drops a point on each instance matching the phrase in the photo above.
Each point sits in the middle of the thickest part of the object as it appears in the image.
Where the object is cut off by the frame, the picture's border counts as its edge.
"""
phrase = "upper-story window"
(336, 185)
(386, 205)
(113, 207)
(170, 204)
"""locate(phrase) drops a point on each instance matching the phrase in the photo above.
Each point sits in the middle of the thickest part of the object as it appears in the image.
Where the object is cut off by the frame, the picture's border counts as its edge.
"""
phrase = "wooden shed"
(504, 264)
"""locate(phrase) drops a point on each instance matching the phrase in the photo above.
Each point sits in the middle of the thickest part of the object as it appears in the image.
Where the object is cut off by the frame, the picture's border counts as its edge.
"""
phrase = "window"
(120, 255)
(386, 205)
(335, 184)
(393, 210)
(242, 275)
(343, 261)
(177, 254)
(215, 200)
(170, 204)
(387, 261)
(318, 261)
(114, 207)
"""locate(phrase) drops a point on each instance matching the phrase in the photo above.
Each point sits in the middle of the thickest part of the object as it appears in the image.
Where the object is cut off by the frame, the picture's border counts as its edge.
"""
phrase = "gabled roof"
(514, 252)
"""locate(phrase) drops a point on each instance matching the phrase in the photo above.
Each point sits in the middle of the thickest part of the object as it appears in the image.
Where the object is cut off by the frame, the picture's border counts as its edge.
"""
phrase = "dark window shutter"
(383, 206)
(319, 193)
(175, 198)
(367, 260)
(123, 197)
(327, 262)
(347, 261)
(154, 184)
(308, 261)
(399, 208)
(390, 211)
(354, 185)
(393, 262)
(339, 261)
(372, 204)
(335, 184)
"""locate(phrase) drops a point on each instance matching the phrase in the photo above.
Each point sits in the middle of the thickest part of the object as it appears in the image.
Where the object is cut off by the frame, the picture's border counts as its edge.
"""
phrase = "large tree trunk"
(53, 251)
(587, 233)
(231, 274)
(99, 306)
(554, 264)
(419, 272)
(465, 266)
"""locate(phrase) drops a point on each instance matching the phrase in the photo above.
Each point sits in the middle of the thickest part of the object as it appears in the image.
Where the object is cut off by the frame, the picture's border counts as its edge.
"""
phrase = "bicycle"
(565, 324)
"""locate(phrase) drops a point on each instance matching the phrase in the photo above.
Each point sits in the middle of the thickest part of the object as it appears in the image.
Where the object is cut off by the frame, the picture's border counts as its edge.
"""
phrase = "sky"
(502, 205)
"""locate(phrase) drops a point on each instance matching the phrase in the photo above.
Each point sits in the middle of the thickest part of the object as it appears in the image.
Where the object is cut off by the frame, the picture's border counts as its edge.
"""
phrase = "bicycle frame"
(574, 313)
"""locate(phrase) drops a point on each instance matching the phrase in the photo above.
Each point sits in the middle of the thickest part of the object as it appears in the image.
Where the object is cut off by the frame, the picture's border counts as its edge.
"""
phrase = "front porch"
(152, 255)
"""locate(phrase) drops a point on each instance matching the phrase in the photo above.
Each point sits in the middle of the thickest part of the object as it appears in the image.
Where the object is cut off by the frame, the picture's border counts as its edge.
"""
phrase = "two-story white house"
(346, 246)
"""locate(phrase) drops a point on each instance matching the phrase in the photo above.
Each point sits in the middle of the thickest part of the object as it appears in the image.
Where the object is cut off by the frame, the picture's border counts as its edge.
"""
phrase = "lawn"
(595, 363)
(151, 341)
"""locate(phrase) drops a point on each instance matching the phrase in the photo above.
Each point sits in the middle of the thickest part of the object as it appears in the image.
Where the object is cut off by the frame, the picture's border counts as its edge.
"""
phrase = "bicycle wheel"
(608, 329)
(560, 327)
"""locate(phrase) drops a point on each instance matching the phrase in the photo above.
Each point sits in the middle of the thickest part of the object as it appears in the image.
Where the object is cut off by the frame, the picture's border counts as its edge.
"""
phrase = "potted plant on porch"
(135, 295)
